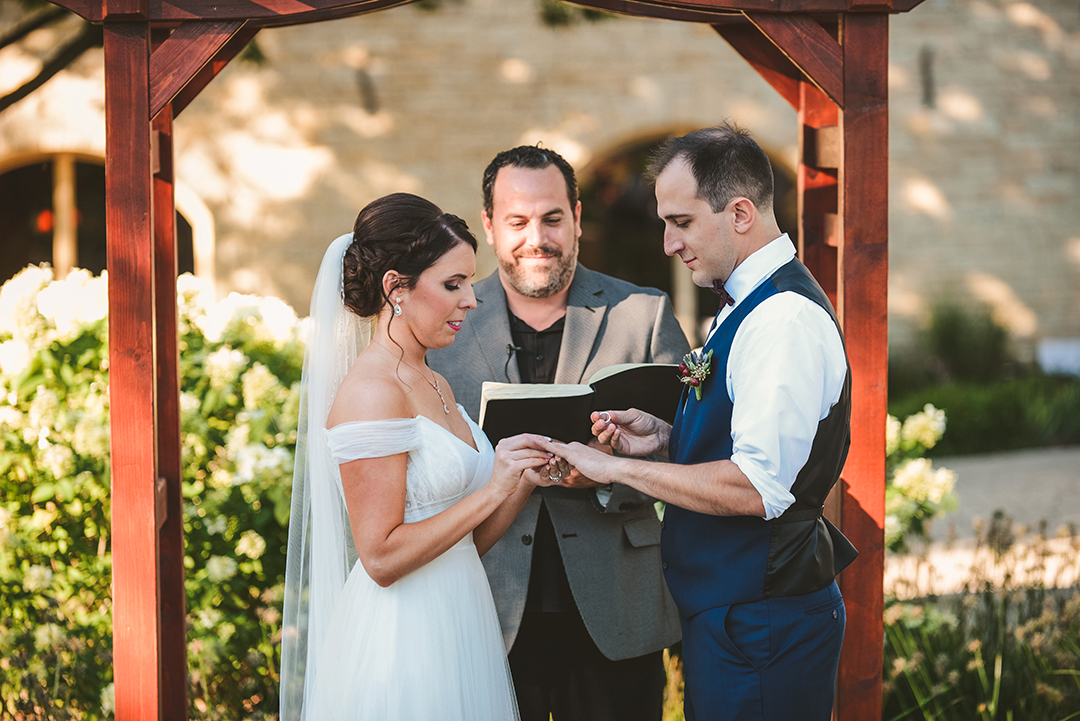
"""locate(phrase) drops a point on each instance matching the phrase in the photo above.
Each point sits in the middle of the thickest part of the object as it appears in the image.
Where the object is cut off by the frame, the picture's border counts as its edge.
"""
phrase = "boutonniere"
(694, 369)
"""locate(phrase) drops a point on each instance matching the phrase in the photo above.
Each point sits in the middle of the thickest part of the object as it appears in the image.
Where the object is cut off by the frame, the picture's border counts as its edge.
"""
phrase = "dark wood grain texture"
(173, 607)
(180, 58)
(809, 46)
(863, 299)
(210, 70)
(764, 57)
(129, 234)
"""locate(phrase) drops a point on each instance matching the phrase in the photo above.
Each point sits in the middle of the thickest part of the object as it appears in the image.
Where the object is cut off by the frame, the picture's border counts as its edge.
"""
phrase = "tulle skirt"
(428, 647)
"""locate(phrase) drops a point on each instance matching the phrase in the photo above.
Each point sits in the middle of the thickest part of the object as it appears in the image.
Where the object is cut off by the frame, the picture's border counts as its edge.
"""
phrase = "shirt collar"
(751, 273)
(761, 264)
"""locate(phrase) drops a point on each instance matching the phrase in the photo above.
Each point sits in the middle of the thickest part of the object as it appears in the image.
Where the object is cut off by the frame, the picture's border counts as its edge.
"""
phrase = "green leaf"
(43, 492)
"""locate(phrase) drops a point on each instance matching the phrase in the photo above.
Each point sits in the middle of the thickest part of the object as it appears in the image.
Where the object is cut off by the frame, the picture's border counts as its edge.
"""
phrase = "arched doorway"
(52, 210)
(621, 233)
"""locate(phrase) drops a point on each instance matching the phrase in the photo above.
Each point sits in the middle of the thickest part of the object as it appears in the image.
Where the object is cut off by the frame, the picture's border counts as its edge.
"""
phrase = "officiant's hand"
(631, 432)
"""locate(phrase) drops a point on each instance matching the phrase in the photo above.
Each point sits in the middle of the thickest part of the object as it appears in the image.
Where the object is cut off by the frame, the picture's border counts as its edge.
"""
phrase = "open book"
(561, 411)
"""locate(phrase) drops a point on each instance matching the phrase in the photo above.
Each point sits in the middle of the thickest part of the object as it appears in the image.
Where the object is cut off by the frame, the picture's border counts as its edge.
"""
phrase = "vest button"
(662, 525)
(526, 539)
(664, 565)
(835, 613)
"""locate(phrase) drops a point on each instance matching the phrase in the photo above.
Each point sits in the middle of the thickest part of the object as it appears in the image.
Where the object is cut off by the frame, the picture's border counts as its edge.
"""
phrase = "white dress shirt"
(785, 372)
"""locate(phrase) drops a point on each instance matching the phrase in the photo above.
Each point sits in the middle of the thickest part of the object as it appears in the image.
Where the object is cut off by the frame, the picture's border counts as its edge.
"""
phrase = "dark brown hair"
(725, 162)
(401, 232)
(532, 157)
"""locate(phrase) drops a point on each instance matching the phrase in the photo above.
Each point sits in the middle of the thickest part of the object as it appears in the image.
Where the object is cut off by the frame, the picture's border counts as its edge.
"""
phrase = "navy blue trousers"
(764, 661)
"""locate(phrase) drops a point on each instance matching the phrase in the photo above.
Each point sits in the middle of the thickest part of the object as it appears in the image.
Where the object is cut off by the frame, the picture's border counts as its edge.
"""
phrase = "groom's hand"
(576, 479)
(631, 432)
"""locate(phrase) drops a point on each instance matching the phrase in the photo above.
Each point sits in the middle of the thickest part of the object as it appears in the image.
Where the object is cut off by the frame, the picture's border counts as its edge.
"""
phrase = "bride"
(392, 473)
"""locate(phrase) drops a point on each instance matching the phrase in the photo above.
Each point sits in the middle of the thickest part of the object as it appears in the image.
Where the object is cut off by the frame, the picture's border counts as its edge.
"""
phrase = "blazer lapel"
(490, 326)
(584, 315)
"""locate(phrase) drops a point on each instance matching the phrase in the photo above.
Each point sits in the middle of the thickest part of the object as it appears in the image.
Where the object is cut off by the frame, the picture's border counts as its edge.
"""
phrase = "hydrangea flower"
(220, 568)
(251, 545)
(37, 578)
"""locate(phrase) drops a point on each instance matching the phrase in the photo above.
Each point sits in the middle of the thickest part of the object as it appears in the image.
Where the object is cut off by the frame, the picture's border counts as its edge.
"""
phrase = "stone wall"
(984, 134)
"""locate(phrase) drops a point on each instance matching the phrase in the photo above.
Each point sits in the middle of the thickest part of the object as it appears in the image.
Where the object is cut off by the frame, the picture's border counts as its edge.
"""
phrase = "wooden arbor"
(828, 58)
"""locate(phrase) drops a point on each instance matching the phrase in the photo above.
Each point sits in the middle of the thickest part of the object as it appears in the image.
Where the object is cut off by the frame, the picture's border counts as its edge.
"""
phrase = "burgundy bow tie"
(725, 297)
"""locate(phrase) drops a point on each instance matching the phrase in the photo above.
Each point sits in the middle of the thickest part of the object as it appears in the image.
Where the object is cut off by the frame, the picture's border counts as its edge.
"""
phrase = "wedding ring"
(605, 417)
(555, 479)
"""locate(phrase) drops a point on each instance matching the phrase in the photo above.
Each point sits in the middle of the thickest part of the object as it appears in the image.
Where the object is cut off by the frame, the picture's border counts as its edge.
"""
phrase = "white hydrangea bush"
(916, 492)
(240, 364)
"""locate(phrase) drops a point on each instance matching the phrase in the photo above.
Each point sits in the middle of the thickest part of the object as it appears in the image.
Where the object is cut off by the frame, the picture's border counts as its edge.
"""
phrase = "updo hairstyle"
(401, 232)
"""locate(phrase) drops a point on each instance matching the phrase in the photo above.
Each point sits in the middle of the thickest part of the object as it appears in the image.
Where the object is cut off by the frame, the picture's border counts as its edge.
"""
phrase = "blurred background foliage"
(241, 359)
(963, 364)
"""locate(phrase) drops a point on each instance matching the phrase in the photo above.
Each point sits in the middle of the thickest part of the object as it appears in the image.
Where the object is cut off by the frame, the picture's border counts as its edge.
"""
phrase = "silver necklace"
(434, 384)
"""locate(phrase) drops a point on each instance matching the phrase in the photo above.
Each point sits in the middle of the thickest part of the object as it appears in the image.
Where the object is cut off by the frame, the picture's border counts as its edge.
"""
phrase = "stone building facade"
(274, 160)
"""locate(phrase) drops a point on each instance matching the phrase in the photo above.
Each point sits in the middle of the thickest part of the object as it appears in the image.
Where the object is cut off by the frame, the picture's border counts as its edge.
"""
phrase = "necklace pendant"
(438, 390)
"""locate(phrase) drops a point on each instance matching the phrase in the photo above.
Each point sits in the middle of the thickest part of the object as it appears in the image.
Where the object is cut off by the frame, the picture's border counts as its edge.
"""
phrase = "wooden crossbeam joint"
(809, 46)
(124, 9)
(181, 57)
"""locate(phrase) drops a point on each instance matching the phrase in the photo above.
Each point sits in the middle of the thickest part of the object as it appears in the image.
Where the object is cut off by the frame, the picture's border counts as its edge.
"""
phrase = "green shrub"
(1036, 410)
(967, 343)
(240, 370)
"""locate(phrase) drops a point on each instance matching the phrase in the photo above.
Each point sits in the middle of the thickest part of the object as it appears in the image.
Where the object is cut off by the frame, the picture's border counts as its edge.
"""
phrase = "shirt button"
(526, 539)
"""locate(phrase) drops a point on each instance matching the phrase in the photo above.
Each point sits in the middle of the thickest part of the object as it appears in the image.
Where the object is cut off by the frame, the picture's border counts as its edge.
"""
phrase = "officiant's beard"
(537, 282)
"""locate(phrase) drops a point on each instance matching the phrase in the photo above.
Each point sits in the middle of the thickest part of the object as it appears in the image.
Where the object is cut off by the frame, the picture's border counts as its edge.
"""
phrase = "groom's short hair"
(725, 162)
(533, 157)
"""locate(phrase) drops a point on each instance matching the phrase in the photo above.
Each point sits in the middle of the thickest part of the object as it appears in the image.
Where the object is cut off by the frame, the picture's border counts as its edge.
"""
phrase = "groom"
(577, 580)
(759, 441)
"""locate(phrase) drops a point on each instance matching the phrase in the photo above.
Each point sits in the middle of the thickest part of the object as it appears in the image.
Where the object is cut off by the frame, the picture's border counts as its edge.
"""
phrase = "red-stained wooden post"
(862, 296)
(128, 203)
(819, 159)
(174, 671)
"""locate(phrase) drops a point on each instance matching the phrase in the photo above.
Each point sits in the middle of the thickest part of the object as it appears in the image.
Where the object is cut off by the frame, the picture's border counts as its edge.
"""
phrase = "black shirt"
(537, 354)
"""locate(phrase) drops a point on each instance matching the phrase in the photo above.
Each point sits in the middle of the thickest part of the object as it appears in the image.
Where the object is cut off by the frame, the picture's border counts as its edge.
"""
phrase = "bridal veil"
(320, 554)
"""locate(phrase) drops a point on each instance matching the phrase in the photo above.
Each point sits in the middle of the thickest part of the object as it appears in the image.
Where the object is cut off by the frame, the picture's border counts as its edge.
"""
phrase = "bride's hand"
(520, 458)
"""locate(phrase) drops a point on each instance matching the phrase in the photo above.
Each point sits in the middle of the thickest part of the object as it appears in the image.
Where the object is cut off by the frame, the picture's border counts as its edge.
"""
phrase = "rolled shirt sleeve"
(785, 373)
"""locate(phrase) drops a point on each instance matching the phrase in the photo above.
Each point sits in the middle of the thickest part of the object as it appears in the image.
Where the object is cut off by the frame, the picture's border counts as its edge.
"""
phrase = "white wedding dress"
(429, 646)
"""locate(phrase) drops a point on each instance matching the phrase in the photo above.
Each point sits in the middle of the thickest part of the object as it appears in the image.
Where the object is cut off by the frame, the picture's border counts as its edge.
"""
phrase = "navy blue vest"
(712, 561)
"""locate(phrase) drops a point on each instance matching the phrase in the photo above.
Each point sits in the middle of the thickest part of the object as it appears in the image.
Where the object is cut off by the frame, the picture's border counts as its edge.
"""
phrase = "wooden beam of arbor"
(183, 55)
(210, 70)
(285, 12)
(173, 617)
(658, 8)
(159, 10)
(809, 47)
(132, 364)
(765, 57)
(864, 268)
(638, 8)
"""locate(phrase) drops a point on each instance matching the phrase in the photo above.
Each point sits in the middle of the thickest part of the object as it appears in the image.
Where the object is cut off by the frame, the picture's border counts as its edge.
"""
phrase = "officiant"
(758, 442)
(577, 581)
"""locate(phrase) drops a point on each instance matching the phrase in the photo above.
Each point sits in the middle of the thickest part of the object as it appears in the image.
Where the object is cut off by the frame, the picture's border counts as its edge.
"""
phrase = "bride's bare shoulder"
(369, 392)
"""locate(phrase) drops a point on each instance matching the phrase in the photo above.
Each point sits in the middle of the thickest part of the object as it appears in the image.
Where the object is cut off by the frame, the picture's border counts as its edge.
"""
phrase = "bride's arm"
(491, 529)
(374, 491)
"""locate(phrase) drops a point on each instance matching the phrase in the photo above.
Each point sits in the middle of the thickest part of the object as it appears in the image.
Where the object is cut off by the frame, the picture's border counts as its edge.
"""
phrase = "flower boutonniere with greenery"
(694, 369)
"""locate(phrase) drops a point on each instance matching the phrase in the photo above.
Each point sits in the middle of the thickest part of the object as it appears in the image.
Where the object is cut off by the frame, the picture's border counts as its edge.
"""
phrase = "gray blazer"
(611, 555)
